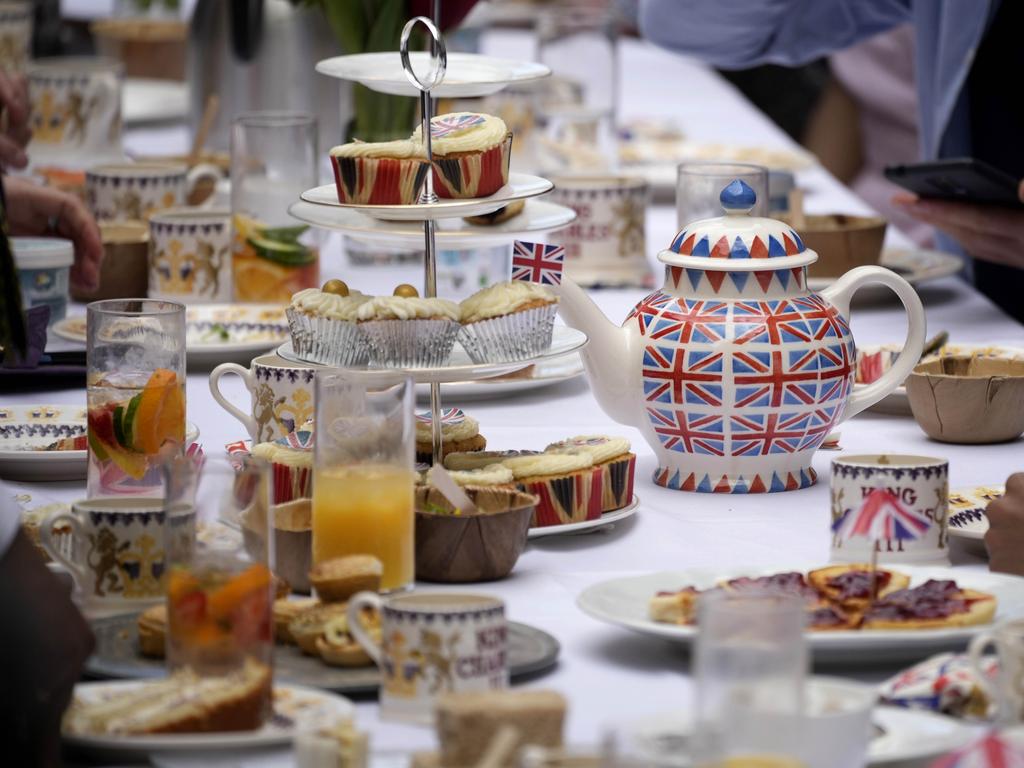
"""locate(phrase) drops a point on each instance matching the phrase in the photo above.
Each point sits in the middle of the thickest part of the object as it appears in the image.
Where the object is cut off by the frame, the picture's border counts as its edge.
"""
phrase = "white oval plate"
(289, 702)
(452, 234)
(467, 74)
(587, 526)
(520, 186)
(546, 374)
(916, 266)
(623, 601)
(460, 368)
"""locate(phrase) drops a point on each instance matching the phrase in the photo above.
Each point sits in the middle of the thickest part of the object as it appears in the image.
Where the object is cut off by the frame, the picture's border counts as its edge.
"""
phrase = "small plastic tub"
(44, 270)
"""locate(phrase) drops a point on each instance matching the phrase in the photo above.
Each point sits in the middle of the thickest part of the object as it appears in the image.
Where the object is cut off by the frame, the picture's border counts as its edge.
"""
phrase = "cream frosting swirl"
(548, 464)
(281, 454)
(480, 132)
(403, 148)
(329, 305)
(407, 308)
(502, 299)
(460, 430)
(600, 448)
(492, 474)
(465, 460)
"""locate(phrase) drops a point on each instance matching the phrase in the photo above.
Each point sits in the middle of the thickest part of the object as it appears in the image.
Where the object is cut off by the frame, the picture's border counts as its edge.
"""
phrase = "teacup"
(282, 395)
(190, 255)
(919, 486)
(433, 643)
(1006, 690)
(134, 191)
(606, 244)
(76, 107)
(117, 547)
(15, 35)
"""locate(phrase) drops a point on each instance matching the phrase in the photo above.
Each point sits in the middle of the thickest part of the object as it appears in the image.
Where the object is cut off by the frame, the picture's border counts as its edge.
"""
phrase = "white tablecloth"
(610, 674)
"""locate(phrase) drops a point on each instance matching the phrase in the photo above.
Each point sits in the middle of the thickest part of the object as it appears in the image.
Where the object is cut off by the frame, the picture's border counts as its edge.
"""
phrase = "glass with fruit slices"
(135, 393)
(273, 160)
(220, 584)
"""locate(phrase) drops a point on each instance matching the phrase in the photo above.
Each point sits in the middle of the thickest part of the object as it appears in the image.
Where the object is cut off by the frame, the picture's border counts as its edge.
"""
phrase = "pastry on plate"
(379, 173)
(285, 612)
(409, 331)
(499, 216)
(338, 647)
(568, 486)
(323, 325)
(308, 627)
(152, 625)
(613, 455)
(460, 433)
(935, 604)
(337, 579)
(471, 153)
(511, 320)
(490, 476)
(850, 585)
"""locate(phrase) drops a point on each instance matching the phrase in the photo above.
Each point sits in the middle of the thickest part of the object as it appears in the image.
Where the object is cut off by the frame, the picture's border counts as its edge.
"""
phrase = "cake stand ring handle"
(438, 55)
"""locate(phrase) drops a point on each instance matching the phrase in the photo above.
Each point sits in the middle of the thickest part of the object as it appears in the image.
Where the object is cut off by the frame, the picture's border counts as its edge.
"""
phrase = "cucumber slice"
(284, 234)
(97, 449)
(119, 426)
(128, 423)
(289, 254)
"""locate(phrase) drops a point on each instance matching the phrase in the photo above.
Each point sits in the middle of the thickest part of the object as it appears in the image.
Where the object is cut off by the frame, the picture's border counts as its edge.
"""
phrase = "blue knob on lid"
(738, 197)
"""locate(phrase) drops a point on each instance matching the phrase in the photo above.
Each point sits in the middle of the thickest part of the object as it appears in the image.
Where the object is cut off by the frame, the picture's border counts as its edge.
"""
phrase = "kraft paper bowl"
(842, 242)
(961, 399)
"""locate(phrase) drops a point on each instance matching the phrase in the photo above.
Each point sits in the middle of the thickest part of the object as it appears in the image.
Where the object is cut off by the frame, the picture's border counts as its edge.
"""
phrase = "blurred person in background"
(964, 50)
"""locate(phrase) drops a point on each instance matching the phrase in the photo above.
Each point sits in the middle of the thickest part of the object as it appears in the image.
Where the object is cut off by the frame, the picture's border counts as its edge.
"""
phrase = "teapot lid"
(738, 241)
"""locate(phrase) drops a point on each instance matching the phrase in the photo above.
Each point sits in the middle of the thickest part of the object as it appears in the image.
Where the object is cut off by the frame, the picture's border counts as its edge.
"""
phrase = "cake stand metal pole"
(438, 65)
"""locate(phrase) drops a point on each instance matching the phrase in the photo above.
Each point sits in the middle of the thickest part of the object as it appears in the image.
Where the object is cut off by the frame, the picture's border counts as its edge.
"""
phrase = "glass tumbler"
(363, 472)
(750, 664)
(220, 585)
(135, 393)
(698, 185)
(273, 160)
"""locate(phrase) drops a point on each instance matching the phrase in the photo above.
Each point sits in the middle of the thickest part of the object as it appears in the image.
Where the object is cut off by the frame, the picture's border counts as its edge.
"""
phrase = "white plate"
(290, 701)
(545, 374)
(916, 266)
(623, 601)
(460, 368)
(452, 234)
(23, 427)
(249, 329)
(587, 526)
(146, 100)
(467, 74)
(520, 186)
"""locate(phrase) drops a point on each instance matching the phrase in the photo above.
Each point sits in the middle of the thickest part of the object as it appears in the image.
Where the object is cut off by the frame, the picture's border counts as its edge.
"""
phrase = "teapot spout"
(607, 355)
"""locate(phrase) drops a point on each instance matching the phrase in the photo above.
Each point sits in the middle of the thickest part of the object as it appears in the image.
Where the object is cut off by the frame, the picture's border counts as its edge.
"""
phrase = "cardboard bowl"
(842, 242)
(962, 399)
(468, 548)
(124, 272)
(293, 540)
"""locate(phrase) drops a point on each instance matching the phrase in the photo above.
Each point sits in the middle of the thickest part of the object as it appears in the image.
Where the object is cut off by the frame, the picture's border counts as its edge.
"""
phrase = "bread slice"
(932, 605)
(678, 607)
(849, 585)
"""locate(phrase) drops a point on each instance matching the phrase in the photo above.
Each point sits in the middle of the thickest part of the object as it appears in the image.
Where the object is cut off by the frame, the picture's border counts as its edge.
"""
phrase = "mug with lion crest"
(136, 191)
(15, 34)
(190, 255)
(76, 107)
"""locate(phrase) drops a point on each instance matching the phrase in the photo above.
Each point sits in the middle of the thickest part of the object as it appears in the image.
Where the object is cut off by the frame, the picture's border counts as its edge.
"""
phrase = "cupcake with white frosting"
(379, 173)
(407, 330)
(512, 320)
(567, 484)
(323, 325)
(477, 459)
(459, 433)
(471, 153)
(613, 456)
(482, 477)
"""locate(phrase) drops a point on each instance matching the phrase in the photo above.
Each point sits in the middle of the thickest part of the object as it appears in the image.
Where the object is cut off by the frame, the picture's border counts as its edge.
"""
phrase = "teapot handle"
(839, 295)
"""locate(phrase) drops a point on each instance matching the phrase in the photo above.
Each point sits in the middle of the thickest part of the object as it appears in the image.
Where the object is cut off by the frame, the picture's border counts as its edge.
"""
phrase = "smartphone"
(963, 179)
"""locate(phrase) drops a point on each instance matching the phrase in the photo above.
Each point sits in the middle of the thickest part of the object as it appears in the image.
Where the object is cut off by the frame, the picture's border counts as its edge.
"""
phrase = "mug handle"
(355, 624)
(975, 651)
(60, 517)
(200, 172)
(839, 294)
(246, 375)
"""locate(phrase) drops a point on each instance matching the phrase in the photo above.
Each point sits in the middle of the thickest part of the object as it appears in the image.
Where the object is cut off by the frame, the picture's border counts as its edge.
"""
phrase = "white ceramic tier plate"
(291, 702)
(543, 375)
(145, 100)
(587, 526)
(467, 74)
(24, 428)
(452, 234)
(520, 186)
(966, 515)
(623, 601)
(460, 368)
(916, 266)
(215, 333)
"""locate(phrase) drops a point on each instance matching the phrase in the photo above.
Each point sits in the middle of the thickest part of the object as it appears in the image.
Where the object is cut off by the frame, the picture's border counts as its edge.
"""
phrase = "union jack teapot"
(733, 370)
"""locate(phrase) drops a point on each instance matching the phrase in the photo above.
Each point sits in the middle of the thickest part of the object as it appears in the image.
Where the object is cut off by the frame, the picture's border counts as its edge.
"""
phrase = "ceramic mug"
(1006, 687)
(15, 35)
(919, 486)
(134, 191)
(190, 255)
(282, 395)
(76, 107)
(606, 244)
(433, 643)
(117, 547)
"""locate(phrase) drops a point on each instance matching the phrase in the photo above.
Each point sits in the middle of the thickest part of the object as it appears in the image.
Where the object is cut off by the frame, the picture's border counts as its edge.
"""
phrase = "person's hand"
(14, 119)
(986, 232)
(43, 211)
(1005, 536)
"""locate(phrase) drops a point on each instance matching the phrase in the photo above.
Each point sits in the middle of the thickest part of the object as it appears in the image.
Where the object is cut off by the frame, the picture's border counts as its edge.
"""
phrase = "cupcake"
(460, 462)
(470, 152)
(491, 476)
(512, 320)
(291, 464)
(382, 173)
(323, 325)
(612, 454)
(407, 331)
(459, 433)
(567, 483)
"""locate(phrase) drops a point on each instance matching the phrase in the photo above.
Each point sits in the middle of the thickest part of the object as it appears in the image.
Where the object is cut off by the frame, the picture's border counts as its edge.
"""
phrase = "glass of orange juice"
(273, 160)
(363, 472)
